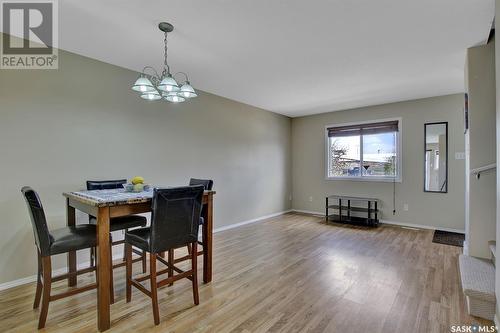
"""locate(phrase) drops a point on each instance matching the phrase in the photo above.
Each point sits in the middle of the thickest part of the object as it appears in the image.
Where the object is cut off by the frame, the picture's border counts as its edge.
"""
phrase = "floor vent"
(448, 238)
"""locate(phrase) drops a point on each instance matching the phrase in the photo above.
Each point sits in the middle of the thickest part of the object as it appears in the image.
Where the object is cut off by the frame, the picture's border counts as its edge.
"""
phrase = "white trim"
(366, 179)
(399, 152)
(495, 320)
(421, 226)
(63, 270)
(465, 250)
(32, 278)
(401, 224)
(310, 212)
(18, 282)
(259, 219)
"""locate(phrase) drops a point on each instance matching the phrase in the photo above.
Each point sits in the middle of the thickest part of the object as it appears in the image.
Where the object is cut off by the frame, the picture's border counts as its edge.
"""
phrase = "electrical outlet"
(310, 199)
(290, 197)
(405, 207)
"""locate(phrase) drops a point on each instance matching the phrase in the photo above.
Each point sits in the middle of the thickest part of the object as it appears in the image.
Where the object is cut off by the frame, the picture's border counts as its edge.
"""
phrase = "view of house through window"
(364, 150)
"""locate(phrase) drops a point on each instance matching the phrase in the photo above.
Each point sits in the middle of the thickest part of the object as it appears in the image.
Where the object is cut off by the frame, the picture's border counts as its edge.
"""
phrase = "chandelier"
(153, 86)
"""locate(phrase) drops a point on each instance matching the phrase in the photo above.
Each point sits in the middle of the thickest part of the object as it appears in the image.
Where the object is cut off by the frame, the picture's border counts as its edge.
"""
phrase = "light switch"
(460, 155)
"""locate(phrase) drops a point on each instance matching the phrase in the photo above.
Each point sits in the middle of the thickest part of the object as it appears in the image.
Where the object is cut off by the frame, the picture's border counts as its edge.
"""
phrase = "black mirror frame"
(425, 149)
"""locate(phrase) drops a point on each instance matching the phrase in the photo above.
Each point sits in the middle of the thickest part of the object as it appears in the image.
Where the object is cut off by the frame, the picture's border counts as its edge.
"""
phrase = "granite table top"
(114, 197)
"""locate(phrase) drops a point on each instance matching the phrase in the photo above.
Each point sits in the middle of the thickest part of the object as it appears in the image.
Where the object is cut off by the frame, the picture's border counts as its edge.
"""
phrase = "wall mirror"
(436, 157)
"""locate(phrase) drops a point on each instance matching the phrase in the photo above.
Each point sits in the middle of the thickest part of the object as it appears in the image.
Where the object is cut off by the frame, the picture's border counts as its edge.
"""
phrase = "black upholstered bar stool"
(49, 243)
(207, 185)
(117, 223)
(175, 222)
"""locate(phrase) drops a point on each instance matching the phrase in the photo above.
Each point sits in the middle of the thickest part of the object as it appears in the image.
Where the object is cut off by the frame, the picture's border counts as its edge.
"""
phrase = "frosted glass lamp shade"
(174, 97)
(151, 96)
(187, 91)
(168, 84)
(143, 85)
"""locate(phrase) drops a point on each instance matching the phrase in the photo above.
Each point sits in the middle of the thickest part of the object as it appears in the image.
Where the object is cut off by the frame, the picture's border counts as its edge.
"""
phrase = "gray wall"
(426, 209)
(61, 127)
(480, 149)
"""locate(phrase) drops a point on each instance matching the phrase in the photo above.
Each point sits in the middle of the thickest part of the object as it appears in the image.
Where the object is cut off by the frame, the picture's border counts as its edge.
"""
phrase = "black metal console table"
(354, 210)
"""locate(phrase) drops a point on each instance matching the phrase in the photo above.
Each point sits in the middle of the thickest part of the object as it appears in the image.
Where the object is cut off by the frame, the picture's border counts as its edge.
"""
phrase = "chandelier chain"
(166, 54)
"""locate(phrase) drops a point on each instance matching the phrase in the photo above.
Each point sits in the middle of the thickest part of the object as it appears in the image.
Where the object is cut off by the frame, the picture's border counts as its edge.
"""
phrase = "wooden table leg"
(103, 269)
(71, 221)
(207, 240)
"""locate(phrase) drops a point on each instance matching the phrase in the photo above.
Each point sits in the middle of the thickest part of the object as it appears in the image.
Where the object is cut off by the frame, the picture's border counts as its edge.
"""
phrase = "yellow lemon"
(137, 180)
(138, 187)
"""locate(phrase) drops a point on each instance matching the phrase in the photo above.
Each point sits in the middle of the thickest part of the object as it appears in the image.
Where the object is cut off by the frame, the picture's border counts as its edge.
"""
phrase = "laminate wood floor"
(292, 273)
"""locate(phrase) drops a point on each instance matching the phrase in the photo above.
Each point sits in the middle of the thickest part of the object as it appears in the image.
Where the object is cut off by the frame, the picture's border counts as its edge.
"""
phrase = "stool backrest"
(38, 221)
(207, 183)
(105, 184)
(175, 217)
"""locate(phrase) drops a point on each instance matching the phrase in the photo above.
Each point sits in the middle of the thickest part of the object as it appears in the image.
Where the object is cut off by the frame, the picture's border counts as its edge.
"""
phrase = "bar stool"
(175, 222)
(207, 185)
(117, 223)
(49, 243)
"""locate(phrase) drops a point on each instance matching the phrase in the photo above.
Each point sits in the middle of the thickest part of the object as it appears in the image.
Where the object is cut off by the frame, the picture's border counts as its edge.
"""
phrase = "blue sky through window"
(379, 144)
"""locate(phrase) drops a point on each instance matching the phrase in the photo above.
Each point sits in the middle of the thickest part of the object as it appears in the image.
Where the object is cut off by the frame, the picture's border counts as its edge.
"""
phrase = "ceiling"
(434, 131)
(289, 56)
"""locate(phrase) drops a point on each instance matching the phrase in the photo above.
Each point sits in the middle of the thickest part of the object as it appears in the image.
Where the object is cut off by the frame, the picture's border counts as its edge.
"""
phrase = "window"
(364, 151)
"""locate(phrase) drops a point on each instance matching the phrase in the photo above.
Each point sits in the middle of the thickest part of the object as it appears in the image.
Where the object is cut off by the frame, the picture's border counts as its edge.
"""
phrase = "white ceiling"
(289, 56)
(432, 132)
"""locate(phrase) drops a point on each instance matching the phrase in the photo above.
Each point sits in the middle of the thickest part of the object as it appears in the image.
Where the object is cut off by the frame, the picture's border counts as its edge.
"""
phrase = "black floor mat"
(448, 238)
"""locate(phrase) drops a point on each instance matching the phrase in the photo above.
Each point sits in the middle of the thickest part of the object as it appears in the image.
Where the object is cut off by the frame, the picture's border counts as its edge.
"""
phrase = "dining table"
(107, 204)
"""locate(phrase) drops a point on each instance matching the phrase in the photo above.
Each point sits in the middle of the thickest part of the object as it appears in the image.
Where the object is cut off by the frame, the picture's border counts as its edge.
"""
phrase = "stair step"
(478, 284)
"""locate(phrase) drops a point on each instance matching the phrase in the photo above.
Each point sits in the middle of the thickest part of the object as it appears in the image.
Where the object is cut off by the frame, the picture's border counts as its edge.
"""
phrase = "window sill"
(367, 179)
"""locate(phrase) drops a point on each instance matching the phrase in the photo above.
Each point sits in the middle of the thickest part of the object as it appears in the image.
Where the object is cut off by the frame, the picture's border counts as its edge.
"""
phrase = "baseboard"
(59, 271)
(310, 212)
(29, 279)
(420, 226)
(401, 224)
(18, 282)
(259, 219)
(465, 250)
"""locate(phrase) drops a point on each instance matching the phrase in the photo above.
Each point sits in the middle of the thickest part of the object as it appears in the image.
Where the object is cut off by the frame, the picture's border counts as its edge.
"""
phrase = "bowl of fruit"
(137, 185)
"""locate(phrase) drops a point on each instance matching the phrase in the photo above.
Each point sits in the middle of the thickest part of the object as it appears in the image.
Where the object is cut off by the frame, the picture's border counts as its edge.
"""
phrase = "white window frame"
(361, 178)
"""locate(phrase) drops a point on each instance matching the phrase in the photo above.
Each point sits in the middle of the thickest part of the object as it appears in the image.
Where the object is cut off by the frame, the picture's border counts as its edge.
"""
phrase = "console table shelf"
(353, 209)
(347, 209)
